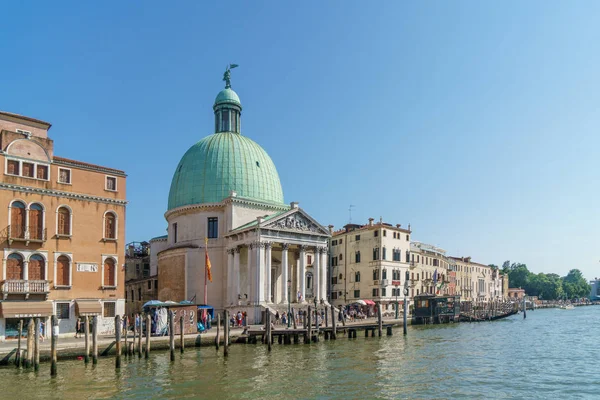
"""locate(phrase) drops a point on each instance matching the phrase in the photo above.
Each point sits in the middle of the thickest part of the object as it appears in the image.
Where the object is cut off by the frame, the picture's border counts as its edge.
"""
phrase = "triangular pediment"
(296, 220)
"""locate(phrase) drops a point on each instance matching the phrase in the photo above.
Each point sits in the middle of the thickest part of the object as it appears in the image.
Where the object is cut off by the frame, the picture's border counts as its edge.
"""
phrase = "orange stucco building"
(62, 228)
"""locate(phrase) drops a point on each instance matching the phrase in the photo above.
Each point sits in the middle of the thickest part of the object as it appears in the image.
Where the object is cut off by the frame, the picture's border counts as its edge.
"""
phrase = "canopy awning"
(88, 307)
(369, 302)
(25, 309)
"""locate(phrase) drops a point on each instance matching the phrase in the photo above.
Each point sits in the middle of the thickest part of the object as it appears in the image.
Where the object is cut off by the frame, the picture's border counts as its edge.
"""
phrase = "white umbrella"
(361, 302)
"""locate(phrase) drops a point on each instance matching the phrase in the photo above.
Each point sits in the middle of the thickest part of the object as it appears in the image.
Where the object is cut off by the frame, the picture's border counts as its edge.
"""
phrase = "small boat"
(567, 307)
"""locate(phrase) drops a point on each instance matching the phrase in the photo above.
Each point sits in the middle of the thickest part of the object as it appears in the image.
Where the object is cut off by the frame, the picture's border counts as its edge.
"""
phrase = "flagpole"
(205, 273)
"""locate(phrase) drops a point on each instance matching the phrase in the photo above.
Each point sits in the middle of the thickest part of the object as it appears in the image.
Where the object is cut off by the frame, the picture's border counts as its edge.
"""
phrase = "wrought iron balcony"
(20, 286)
(25, 234)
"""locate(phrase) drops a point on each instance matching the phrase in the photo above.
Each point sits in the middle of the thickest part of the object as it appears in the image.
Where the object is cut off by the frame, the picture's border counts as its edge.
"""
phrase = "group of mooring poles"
(30, 356)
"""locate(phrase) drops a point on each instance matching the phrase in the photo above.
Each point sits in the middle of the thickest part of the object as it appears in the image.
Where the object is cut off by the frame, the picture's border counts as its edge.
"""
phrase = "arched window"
(17, 220)
(63, 266)
(14, 267)
(64, 221)
(37, 268)
(36, 221)
(109, 272)
(110, 226)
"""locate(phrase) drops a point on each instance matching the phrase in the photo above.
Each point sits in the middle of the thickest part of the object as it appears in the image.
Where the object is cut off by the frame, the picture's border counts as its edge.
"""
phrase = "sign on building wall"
(87, 267)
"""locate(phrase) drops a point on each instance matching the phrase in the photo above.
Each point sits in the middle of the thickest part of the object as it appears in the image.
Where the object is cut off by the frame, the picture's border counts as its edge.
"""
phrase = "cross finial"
(227, 75)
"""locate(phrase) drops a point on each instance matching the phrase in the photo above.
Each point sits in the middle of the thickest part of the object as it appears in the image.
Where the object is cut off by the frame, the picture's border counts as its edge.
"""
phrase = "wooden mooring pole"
(53, 343)
(86, 332)
(308, 327)
(18, 355)
(171, 335)
(36, 355)
(405, 316)
(148, 334)
(30, 333)
(95, 340)
(139, 328)
(118, 328)
(226, 333)
(181, 341)
(126, 326)
(379, 320)
(524, 308)
(269, 341)
(218, 331)
(333, 324)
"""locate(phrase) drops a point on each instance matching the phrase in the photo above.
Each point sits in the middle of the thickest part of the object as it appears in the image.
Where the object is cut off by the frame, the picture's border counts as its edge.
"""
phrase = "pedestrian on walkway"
(78, 327)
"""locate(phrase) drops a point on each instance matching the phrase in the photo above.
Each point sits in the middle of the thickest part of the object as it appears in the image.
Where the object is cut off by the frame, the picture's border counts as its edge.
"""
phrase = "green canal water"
(550, 355)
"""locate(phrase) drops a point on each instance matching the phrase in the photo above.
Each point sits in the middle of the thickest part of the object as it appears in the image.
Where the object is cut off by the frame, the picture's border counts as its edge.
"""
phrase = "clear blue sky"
(476, 122)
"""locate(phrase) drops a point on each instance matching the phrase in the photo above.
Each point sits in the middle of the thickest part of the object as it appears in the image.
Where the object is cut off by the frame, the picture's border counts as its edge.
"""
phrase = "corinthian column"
(324, 274)
(230, 295)
(268, 272)
(317, 267)
(284, 273)
(236, 275)
(302, 282)
(259, 260)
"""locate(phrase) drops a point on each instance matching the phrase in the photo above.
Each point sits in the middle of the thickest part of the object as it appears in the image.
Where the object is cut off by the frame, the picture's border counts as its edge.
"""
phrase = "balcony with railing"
(20, 233)
(26, 287)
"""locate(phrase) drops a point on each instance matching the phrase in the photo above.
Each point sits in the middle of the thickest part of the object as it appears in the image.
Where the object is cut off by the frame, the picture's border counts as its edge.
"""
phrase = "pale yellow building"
(369, 262)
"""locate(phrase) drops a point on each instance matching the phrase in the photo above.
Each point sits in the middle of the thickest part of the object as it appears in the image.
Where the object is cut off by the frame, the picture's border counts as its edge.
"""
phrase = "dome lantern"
(227, 107)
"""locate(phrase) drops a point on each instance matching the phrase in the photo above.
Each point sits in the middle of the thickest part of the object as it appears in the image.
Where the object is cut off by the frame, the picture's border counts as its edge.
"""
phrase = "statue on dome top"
(227, 75)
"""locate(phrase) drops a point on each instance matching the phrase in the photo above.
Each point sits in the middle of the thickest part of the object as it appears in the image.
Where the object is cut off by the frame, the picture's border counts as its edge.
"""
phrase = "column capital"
(231, 251)
(303, 248)
(237, 249)
(285, 246)
(268, 245)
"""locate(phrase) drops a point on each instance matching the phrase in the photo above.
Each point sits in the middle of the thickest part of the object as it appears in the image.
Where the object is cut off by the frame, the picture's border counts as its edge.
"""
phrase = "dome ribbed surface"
(220, 163)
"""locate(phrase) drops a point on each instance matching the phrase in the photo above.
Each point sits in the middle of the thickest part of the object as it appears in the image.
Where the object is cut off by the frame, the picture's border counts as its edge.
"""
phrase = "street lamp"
(289, 282)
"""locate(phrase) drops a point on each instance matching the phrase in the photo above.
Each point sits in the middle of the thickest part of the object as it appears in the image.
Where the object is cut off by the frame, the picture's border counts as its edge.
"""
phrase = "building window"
(110, 225)
(375, 292)
(62, 271)
(341, 241)
(341, 257)
(309, 259)
(12, 167)
(334, 242)
(394, 235)
(140, 294)
(356, 294)
(407, 238)
(357, 276)
(376, 253)
(64, 221)
(175, 232)
(384, 232)
(375, 274)
(28, 169)
(309, 283)
(213, 227)
(109, 309)
(357, 238)
(357, 257)
(149, 285)
(396, 255)
(111, 183)
(64, 176)
(334, 261)
(407, 256)
(36, 222)
(42, 172)
(109, 272)
(383, 292)
(62, 310)
(376, 233)
(384, 273)
(37, 268)
(383, 254)
(14, 267)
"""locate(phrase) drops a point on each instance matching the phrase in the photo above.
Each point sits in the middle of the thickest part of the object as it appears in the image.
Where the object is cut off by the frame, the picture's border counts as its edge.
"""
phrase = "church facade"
(226, 200)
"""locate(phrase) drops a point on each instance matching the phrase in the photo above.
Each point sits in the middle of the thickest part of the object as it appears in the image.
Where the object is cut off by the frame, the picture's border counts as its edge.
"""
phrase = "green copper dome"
(222, 162)
(227, 95)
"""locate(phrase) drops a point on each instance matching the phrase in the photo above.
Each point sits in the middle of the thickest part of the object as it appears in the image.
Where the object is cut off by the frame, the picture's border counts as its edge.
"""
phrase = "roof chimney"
(398, 225)
(371, 221)
(294, 204)
(330, 228)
